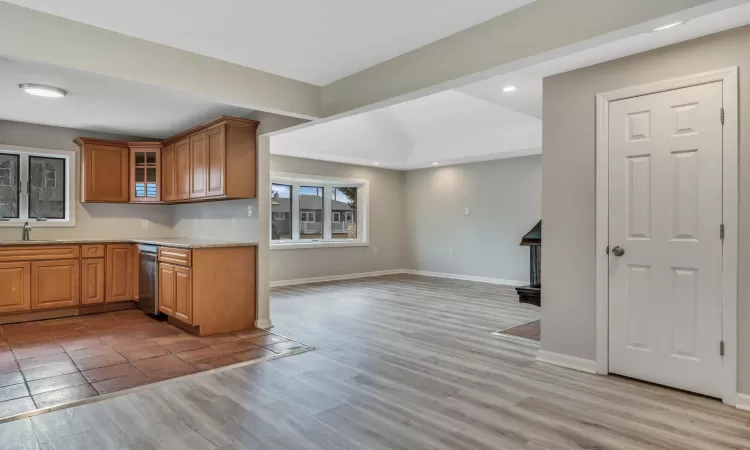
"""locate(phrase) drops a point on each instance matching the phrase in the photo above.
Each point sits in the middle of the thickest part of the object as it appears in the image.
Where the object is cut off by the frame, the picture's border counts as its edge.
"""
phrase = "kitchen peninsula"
(205, 287)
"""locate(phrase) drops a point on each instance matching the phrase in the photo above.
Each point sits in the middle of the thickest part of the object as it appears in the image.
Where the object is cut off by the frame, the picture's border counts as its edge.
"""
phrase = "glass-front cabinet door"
(145, 172)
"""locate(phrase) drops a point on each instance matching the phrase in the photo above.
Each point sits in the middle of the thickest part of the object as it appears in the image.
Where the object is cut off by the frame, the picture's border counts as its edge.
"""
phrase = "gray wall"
(386, 232)
(92, 220)
(504, 198)
(568, 267)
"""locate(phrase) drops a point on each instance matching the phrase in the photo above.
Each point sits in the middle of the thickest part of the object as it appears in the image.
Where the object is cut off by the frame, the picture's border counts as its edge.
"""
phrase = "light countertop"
(166, 242)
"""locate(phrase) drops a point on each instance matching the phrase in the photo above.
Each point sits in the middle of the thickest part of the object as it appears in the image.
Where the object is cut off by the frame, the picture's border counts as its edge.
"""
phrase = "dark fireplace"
(533, 293)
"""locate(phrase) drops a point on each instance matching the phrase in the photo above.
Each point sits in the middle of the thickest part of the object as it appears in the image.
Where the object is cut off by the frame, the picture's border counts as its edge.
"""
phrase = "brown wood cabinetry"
(181, 169)
(183, 295)
(15, 287)
(166, 289)
(168, 180)
(92, 281)
(104, 170)
(55, 284)
(213, 161)
(198, 165)
(145, 172)
(120, 266)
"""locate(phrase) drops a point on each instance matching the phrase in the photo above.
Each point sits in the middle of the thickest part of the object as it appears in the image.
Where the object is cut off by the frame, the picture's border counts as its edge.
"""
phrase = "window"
(281, 206)
(35, 185)
(317, 211)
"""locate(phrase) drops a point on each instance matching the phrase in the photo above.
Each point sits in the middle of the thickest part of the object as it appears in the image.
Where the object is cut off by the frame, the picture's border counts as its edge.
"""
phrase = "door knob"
(618, 251)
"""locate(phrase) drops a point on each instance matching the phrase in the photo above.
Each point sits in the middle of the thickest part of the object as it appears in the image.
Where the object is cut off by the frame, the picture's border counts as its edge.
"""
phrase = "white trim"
(264, 324)
(567, 361)
(742, 402)
(350, 276)
(455, 276)
(286, 245)
(729, 79)
(70, 191)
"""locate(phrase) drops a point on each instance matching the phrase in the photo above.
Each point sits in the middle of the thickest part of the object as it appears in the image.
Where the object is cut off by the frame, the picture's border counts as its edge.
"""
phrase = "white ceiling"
(317, 41)
(100, 103)
(474, 122)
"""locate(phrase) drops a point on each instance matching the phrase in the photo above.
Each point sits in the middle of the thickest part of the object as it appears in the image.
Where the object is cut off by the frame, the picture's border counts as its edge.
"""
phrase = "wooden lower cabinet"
(120, 278)
(183, 295)
(55, 284)
(92, 281)
(15, 287)
(166, 289)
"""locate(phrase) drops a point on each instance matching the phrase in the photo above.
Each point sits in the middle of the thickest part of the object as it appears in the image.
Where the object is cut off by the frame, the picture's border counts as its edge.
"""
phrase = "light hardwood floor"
(403, 362)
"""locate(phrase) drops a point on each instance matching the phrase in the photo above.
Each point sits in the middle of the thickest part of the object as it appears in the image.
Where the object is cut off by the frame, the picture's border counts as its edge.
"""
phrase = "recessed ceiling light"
(509, 89)
(377, 163)
(41, 90)
(435, 164)
(671, 25)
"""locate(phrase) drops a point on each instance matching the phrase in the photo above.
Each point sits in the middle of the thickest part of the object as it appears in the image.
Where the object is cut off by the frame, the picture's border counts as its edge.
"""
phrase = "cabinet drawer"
(179, 256)
(92, 251)
(39, 253)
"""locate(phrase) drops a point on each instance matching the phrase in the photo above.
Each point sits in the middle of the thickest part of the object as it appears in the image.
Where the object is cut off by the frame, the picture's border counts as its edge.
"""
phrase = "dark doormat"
(529, 331)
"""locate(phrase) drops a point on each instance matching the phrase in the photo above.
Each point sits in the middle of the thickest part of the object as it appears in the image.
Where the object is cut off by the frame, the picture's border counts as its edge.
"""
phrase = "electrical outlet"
(234, 222)
(467, 212)
(144, 223)
(195, 223)
(450, 251)
(250, 211)
(375, 248)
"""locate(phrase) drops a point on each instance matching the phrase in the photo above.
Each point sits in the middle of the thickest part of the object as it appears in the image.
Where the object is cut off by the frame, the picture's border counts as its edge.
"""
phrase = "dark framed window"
(10, 172)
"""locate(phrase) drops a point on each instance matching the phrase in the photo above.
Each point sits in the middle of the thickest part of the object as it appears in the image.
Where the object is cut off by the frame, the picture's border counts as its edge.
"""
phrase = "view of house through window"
(310, 212)
(281, 211)
(34, 186)
(344, 210)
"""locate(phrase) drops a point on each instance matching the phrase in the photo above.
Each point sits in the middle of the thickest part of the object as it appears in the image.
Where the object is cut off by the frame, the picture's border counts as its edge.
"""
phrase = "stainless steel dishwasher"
(148, 279)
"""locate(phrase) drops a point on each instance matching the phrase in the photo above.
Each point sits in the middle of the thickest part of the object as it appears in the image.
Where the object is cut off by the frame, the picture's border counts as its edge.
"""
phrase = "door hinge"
(721, 231)
(721, 348)
(722, 116)
(607, 250)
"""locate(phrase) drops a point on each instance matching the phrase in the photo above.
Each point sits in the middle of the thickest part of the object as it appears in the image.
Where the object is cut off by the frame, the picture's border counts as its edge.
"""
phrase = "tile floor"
(51, 362)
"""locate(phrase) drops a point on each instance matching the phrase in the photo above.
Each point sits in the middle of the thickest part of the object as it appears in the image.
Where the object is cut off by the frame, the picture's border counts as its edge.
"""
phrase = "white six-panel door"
(665, 213)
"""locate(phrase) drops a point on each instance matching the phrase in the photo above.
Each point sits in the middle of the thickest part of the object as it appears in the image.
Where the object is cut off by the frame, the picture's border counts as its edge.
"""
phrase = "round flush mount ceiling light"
(41, 90)
(509, 89)
(376, 164)
(435, 164)
(668, 26)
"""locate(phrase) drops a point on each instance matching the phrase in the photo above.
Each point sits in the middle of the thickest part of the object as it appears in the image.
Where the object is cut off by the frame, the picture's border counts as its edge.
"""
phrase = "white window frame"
(23, 201)
(336, 217)
(327, 183)
(279, 215)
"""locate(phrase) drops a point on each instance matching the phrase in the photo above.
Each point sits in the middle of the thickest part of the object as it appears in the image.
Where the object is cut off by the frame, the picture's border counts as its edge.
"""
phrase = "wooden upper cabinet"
(145, 172)
(104, 170)
(15, 287)
(215, 160)
(120, 277)
(198, 165)
(55, 284)
(166, 288)
(168, 179)
(182, 169)
(92, 281)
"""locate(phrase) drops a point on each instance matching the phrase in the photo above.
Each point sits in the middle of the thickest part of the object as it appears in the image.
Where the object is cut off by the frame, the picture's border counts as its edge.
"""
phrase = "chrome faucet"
(26, 231)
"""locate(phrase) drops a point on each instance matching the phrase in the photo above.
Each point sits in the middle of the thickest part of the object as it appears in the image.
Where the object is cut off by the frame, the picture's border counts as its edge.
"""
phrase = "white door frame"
(729, 77)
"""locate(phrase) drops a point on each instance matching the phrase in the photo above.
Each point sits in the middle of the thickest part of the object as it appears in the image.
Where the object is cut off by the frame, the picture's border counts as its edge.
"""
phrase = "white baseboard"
(350, 276)
(742, 402)
(570, 362)
(263, 323)
(455, 276)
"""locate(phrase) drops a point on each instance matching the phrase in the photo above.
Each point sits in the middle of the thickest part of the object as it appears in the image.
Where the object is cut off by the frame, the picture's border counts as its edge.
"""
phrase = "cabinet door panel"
(183, 298)
(15, 287)
(120, 267)
(166, 288)
(105, 176)
(145, 173)
(198, 165)
(92, 281)
(168, 179)
(215, 143)
(55, 284)
(182, 169)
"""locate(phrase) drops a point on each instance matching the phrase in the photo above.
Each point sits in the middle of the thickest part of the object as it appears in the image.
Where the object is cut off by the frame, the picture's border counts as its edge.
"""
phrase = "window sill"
(34, 224)
(322, 244)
